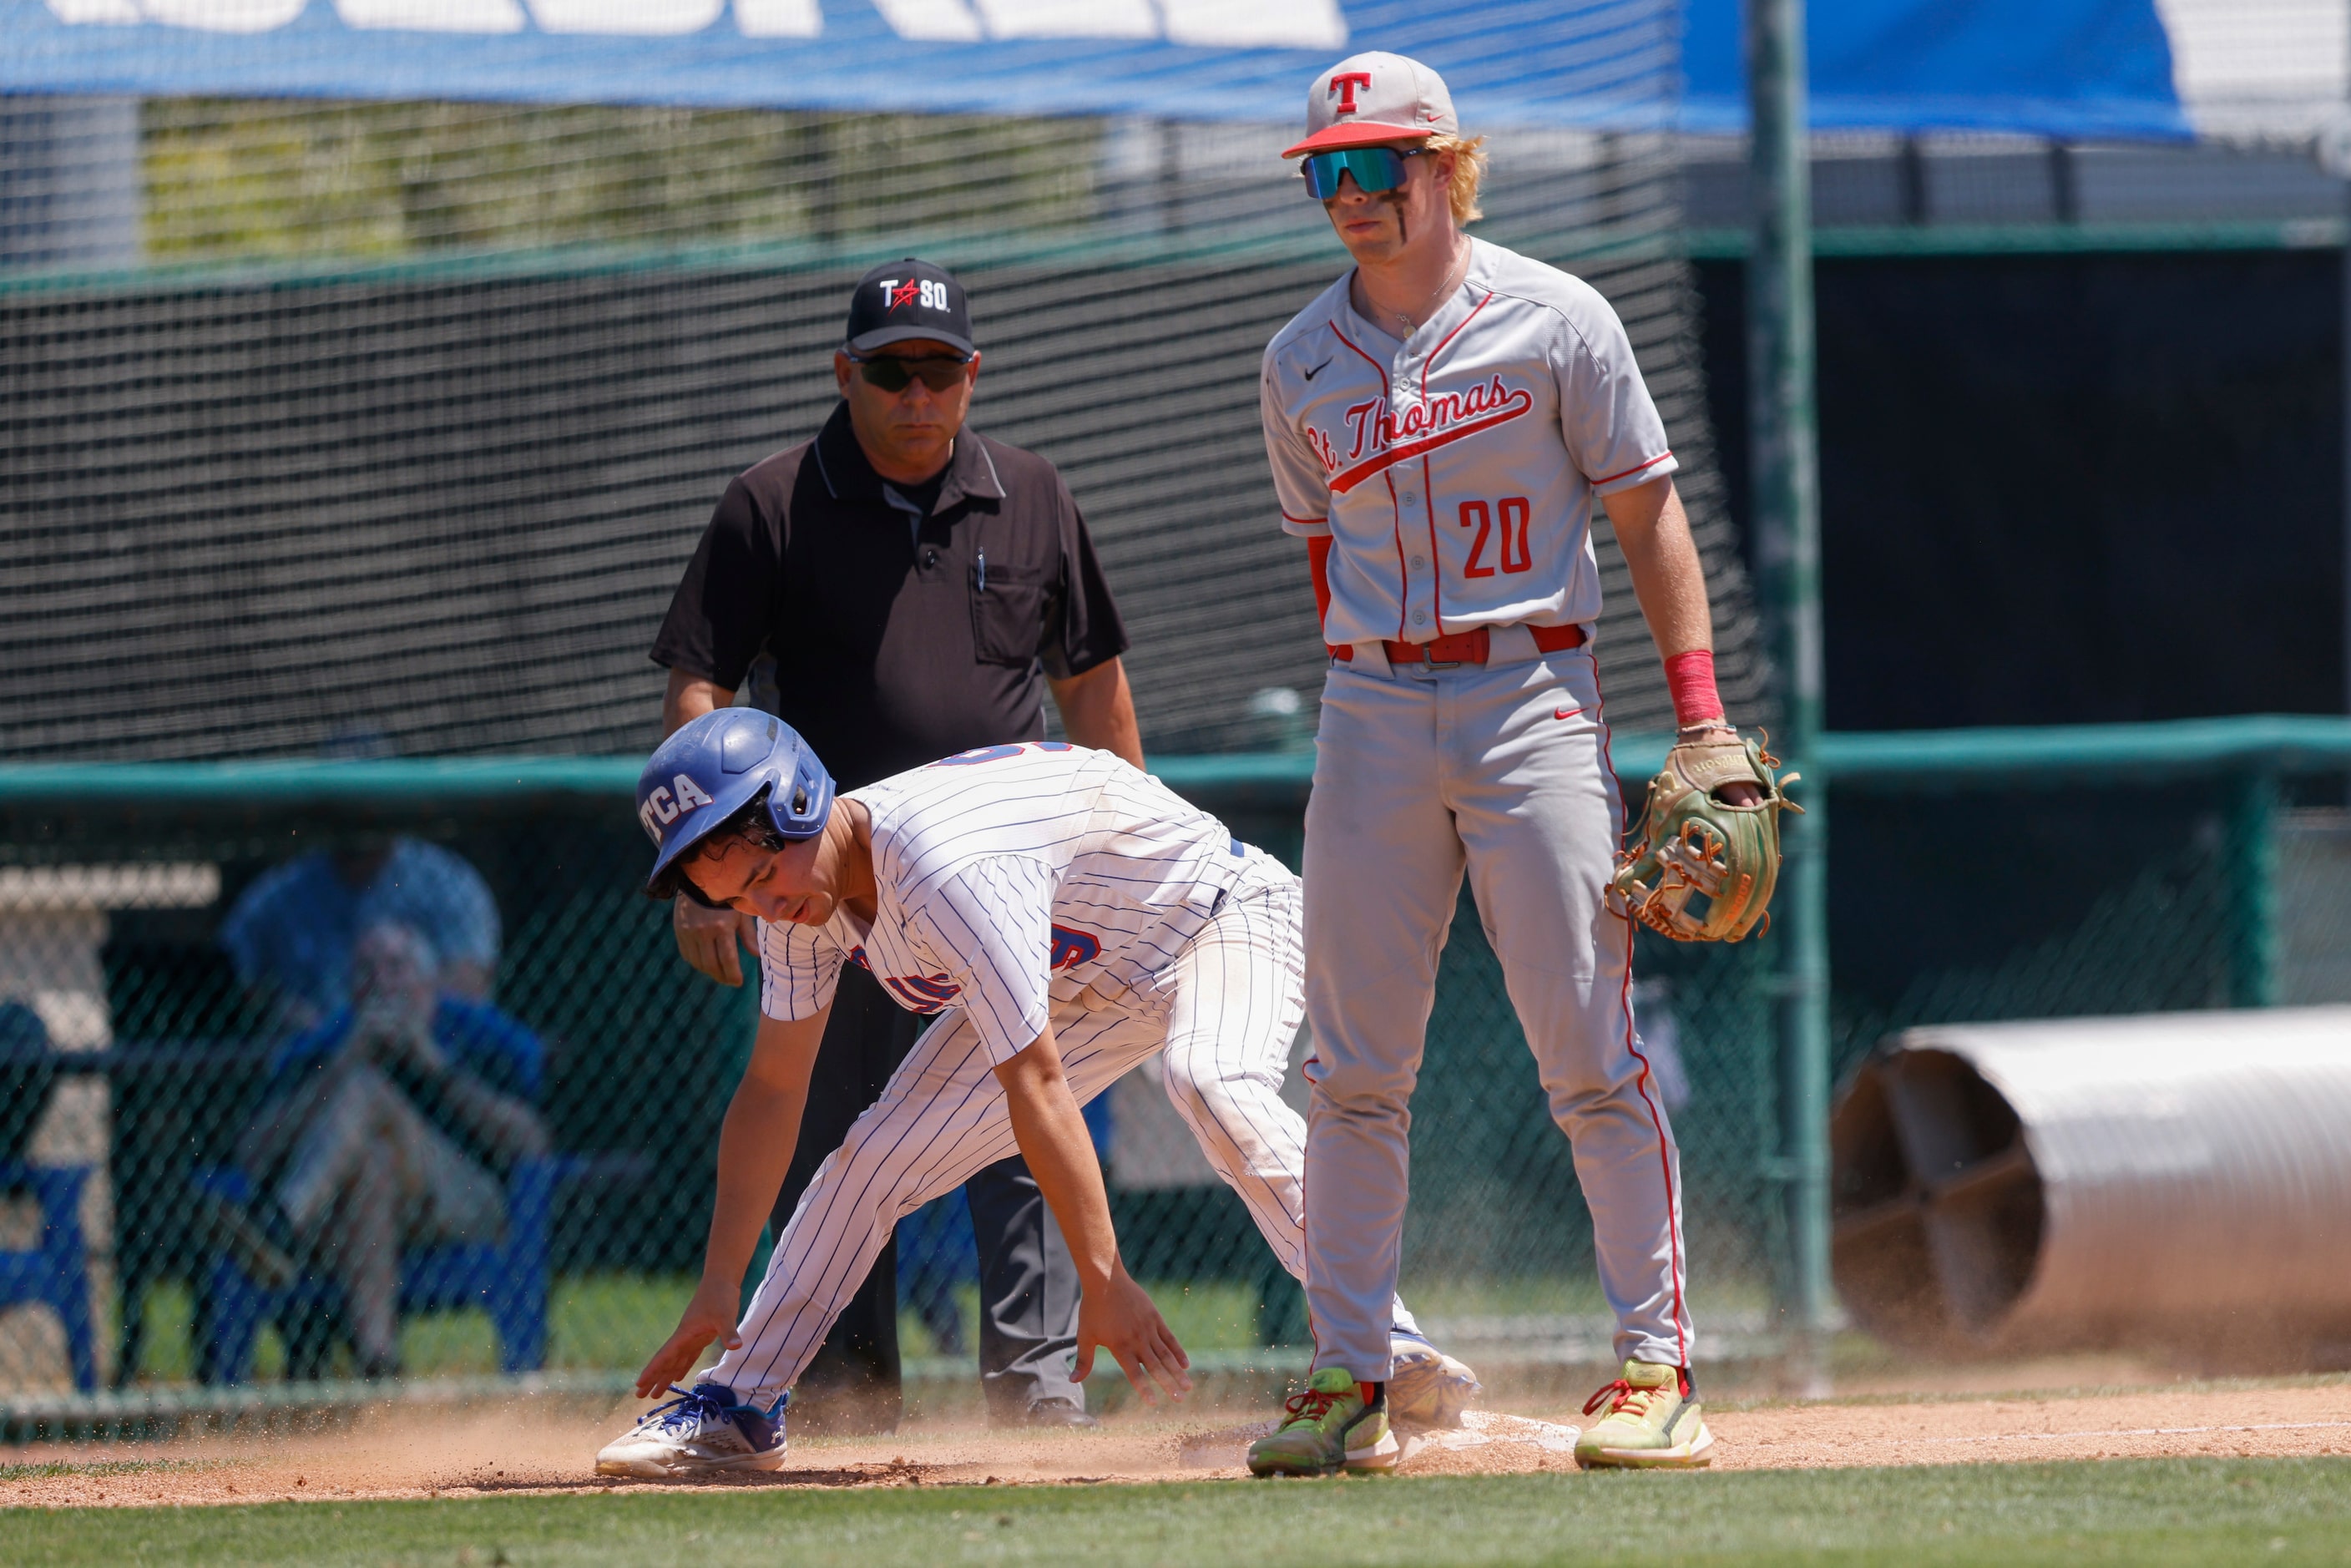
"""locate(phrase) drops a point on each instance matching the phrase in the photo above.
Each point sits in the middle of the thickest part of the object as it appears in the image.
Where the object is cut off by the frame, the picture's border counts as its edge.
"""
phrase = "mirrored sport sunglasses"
(891, 372)
(1375, 168)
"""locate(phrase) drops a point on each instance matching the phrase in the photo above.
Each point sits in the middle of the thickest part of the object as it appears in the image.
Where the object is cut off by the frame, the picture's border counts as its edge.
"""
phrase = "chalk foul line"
(2134, 1432)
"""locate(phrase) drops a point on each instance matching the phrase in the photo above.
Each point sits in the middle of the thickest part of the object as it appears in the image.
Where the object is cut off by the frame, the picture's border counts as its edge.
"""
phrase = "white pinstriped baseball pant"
(1502, 770)
(1225, 1018)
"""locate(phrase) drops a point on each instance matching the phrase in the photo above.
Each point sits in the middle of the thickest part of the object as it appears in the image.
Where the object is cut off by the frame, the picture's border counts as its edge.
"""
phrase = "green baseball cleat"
(1328, 1427)
(1652, 1423)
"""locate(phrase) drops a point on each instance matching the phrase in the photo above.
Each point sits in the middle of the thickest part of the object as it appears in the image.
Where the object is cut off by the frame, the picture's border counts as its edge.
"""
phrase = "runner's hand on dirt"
(708, 938)
(709, 1316)
(1124, 1321)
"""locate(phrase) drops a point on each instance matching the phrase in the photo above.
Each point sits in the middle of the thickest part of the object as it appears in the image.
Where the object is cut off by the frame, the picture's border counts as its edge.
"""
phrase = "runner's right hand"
(710, 1315)
(1125, 1321)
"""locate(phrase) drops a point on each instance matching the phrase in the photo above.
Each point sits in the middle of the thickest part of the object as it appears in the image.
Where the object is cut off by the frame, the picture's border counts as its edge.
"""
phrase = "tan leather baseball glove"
(1702, 870)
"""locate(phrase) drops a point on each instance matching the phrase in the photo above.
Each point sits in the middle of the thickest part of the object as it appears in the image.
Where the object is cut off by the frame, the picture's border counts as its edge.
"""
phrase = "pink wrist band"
(1691, 677)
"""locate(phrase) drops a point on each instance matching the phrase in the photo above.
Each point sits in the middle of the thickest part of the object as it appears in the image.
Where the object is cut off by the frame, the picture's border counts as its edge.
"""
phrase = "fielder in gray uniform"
(1442, 423)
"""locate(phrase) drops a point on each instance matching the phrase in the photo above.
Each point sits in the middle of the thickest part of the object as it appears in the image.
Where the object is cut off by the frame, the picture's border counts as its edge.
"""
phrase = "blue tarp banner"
(2074, 69)
(1593, 62)
(2066, 67)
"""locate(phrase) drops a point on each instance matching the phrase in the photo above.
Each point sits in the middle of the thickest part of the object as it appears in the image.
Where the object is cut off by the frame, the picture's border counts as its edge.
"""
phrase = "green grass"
(1216, 1314)
(595, 1321)
(598, 1322)
(2158, 1511)
(612, 1321)
(50, 1469)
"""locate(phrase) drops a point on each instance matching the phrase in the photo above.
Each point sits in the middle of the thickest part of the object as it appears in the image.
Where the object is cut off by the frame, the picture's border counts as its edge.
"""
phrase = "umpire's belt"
(1478, 645)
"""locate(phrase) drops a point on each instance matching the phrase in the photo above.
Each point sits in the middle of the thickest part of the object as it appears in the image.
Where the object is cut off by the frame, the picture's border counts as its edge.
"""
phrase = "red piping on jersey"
(1287, 518)
(1403, 573)
(1384, 390)
(1632, 1044)
(1437, 562)
(1428, 482)
(1637, 467)
(1430, 363)
(1405, 588)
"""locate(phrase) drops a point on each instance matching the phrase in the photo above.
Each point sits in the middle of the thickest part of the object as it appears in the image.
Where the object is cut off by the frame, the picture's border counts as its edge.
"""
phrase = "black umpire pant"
(1028, 1281)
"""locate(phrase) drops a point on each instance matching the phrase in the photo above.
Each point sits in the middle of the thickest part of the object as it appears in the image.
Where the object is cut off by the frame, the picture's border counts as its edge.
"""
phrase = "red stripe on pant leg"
(1306, 1243)
(1665, 1157)
(1625, 1005)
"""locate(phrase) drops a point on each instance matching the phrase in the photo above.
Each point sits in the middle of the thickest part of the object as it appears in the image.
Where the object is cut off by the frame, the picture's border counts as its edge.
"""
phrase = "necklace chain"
(1460, 266)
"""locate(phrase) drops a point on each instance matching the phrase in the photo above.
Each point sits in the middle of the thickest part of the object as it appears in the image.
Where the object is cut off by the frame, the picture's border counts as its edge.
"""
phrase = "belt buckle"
(1469, 637)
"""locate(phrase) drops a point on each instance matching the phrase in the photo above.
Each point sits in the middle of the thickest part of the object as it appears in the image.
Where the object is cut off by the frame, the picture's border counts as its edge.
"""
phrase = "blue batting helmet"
(717, 764)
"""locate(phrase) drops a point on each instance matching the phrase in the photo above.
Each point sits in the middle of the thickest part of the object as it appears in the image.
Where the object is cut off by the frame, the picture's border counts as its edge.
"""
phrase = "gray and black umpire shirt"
(905, 623)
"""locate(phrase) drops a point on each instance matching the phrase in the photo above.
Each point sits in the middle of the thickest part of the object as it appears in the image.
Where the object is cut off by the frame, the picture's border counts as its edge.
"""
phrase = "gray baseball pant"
(1501, 769)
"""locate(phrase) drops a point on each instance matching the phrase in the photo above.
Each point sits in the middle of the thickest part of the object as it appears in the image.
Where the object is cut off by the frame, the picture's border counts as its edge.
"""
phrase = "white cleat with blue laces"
(702, 1431)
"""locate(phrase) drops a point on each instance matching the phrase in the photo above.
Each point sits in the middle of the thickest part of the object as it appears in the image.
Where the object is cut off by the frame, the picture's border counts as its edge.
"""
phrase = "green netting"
(372, 397)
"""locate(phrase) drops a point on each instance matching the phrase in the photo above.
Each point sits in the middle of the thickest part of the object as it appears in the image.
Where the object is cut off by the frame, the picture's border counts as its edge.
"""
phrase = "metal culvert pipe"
(2079, 1181)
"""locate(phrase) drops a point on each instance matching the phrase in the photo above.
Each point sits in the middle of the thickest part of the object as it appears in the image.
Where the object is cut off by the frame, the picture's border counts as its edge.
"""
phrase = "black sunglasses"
(891, 372)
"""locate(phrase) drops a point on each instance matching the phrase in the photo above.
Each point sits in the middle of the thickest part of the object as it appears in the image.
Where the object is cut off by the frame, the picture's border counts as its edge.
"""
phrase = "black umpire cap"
(906, 299)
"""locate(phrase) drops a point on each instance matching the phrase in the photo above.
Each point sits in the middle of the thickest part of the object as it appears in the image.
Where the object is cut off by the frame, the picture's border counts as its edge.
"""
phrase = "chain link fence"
(162, 1022)
(144, 1052)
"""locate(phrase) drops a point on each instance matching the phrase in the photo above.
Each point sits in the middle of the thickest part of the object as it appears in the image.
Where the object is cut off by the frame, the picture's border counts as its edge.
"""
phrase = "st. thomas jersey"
(1455, 471)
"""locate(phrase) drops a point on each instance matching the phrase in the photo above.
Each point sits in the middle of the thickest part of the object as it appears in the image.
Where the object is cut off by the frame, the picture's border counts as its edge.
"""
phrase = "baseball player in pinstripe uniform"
(1066, 916)
(1443, 423)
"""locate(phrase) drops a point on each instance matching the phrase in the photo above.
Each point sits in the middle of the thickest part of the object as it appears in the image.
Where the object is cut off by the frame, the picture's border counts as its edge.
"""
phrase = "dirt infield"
(535, 1449)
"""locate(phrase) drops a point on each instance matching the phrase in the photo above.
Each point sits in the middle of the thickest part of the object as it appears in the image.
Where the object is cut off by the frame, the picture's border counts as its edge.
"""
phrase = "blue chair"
(509, 1280)
(56, 1274)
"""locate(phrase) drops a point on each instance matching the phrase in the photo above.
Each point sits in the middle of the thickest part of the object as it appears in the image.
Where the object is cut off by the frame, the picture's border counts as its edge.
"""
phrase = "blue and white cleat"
(1426, 1387)
(698, 1433)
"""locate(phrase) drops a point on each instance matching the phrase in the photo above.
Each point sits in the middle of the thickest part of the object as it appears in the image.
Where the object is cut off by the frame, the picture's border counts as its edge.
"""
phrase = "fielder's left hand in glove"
(1703, 868)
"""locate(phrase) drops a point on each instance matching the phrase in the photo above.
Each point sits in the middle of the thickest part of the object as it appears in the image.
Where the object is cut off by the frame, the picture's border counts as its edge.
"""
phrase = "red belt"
(1470, 647)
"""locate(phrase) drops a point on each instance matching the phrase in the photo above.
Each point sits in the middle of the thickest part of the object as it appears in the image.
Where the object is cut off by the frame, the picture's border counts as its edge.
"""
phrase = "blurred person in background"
(898, 589)
(291, 934)
(391, 1124)
(28, 1069)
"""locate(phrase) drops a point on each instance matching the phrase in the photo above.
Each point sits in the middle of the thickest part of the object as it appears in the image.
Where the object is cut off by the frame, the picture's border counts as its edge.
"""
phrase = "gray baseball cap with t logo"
(1373, 98)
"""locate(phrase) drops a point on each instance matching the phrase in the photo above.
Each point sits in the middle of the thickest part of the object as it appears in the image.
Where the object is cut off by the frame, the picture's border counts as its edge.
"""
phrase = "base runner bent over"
(1068, 917)
(1442, 422)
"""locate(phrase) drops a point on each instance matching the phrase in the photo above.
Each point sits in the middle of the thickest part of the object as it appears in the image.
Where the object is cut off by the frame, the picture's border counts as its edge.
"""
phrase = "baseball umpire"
(1442, 423)
(897, 589)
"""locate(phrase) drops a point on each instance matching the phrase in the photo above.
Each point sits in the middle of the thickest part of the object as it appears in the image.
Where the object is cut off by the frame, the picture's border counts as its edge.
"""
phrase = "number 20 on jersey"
(1513, 511)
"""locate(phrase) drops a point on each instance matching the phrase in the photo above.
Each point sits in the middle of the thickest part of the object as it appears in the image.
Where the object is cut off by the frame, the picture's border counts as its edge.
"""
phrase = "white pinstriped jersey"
(1455, 470)
(1009, 877)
